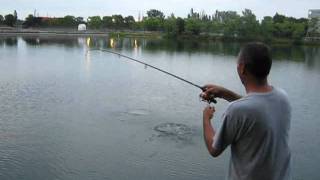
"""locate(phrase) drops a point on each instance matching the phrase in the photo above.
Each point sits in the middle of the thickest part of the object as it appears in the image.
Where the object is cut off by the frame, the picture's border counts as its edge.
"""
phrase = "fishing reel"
(210, 99)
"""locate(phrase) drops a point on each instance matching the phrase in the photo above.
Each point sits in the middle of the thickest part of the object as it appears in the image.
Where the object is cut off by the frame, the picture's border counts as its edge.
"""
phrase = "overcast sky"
(85, 8)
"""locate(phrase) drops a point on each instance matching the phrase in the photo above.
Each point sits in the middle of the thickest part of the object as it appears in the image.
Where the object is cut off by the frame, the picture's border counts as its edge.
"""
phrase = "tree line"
(9, 19)
(220, 24)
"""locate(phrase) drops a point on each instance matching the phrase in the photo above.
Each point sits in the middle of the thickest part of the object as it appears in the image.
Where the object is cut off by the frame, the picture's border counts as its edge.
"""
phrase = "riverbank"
(73, 32)
(34, 32)
(274, 41)
(151, 34)
(220, 38)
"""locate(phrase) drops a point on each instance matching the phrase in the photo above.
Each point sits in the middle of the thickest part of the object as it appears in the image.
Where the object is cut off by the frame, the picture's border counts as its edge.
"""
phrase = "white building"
(314, 26)
(82, 27)
(314, 13)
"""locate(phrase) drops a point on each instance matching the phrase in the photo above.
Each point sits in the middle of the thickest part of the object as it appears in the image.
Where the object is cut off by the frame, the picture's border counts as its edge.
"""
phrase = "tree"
(118, 21)
(278, 18)
(299, 31)
(28, 21)
(95, 22)
(153, 13)
(193, 26)
(152, 24)
(249, 24)
(107, 22)
(174, 26)
(283, 30)
(216, 27)
(79, 20)
(9, 20)
(129, 21)
(229, 22)
(180, 23)
(193, 14)
(15, 14)
(170, 25)
(225, 16)
(1, 19)
(267, 27)
(69, 21)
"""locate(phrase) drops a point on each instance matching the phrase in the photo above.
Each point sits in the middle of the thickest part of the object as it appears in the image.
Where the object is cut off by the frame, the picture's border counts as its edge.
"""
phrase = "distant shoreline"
(75, 33)
(50, 33)
(141, 34)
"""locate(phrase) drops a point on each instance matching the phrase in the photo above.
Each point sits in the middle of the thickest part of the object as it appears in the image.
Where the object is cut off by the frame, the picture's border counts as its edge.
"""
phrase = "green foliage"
(193, 26)
(28, 21)
(79, 20)
(9, 20)
(174, 26)
(69, 21)
(153, 24)
(180, 23)
(231, 26)
(170, 26)
(267, 27)
(94, 22)
(249, 26)
(118, 21)
(1, 19)
(225, 16)
(15, 15)
(278, 18)
(153, 13)
(107, 22)
(138, 25)
(227, 24)
(129, 22)
(155, 21)
(299, 30)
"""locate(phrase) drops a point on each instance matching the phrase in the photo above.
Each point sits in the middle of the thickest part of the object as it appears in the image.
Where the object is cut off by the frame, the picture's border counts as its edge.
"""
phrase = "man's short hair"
(257, 59)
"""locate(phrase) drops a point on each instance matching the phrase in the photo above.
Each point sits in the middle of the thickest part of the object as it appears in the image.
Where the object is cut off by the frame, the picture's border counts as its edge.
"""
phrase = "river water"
(70, 113)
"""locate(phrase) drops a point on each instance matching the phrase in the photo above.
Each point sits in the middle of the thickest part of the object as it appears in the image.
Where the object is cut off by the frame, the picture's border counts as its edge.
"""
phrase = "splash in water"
(174, 131)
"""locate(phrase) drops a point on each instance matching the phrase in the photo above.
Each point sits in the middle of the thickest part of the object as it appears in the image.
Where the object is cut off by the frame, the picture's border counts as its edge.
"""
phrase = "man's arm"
(220, 92)
(208, 130)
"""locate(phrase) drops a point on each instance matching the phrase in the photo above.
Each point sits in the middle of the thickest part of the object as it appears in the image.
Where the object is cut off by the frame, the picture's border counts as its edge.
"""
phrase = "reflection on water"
(8, 41)
(312, 55)
(306, 54)
(51, 40)
(112, 44)
(87, 60)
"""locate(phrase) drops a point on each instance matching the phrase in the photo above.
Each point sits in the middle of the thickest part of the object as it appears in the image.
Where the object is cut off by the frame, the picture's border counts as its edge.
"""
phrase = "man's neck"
(258, 88)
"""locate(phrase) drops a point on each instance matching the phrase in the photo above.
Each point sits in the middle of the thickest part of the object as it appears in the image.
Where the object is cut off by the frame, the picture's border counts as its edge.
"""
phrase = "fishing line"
(211, 98)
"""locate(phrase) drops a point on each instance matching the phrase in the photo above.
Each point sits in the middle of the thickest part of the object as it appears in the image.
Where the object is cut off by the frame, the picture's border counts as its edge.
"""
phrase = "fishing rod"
(211, 97)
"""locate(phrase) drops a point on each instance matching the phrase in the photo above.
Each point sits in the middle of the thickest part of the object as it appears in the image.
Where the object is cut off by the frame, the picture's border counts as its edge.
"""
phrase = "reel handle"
(211, 98)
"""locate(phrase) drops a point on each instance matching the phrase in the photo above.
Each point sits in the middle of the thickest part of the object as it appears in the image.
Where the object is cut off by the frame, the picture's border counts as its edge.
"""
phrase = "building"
(314, 13)
(314, 23)
(82, 27)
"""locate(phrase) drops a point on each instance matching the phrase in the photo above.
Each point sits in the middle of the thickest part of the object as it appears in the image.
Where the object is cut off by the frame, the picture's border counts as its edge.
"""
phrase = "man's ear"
(241, 68)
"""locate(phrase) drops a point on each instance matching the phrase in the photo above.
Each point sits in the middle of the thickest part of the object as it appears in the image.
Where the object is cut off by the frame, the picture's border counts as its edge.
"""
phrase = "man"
(256, 126)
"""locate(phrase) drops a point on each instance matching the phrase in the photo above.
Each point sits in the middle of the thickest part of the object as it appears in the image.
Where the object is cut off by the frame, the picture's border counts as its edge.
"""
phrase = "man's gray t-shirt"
(257, 128)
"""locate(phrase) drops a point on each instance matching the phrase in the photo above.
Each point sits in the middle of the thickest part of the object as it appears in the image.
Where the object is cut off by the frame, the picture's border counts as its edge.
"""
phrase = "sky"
(85, 8)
